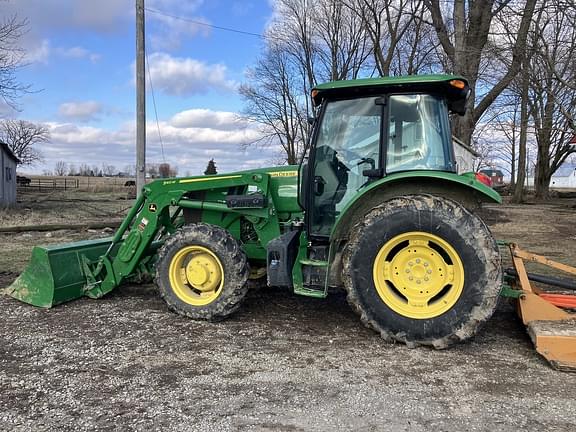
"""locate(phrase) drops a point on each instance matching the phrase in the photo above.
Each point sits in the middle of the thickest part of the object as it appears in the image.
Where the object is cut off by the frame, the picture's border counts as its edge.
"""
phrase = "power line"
(154, 104)
(228, 29)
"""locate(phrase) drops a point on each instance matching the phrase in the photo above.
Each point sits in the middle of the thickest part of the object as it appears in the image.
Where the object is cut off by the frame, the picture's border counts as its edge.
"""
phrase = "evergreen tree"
(211, 168)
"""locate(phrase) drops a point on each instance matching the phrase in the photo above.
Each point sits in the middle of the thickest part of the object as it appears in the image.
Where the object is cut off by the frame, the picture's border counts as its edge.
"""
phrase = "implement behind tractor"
(552, 330)
(378, 208)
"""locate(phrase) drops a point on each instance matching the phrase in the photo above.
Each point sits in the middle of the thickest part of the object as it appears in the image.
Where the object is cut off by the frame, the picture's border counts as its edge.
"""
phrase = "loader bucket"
(56, 274)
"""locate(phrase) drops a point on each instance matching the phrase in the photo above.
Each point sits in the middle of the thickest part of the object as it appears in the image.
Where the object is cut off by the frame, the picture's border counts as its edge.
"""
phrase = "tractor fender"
(464, 189)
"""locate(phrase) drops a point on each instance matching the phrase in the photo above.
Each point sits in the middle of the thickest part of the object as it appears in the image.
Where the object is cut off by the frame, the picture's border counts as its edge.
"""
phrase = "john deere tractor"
(376, 208)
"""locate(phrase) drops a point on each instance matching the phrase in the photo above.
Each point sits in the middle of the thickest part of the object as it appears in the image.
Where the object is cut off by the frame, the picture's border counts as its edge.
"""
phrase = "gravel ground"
(282, 363)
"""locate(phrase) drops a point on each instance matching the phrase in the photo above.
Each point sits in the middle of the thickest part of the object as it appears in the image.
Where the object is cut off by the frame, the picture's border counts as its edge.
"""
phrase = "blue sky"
(81, 55)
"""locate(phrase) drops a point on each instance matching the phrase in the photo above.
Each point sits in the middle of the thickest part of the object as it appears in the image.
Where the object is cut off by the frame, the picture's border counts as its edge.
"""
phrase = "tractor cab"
(369, 129)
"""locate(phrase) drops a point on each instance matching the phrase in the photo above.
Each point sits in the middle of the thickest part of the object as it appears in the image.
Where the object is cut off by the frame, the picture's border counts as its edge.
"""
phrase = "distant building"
(7, 176)
(563, 178)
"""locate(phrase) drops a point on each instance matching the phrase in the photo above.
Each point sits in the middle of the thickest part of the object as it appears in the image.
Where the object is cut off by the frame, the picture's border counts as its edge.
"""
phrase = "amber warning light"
(459, 84)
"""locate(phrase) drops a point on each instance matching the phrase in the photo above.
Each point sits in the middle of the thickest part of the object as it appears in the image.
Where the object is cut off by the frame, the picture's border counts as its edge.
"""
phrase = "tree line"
(519, 58)
(153, 170)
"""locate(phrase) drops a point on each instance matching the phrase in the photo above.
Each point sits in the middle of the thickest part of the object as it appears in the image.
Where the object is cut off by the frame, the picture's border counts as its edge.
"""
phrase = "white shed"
(7, 176)
(565, 177)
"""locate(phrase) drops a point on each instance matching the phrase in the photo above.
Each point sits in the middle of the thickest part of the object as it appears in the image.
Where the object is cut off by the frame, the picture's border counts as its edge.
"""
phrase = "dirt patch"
(282, 363)
(492, 215)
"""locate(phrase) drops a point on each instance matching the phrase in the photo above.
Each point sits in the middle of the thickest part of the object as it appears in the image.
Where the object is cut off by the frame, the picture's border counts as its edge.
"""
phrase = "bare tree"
(164, 170)
(386, 23)
(84, 170)
(60, 168)
(465, 37)
(11, 58)
(551, 102)
(108, 170)
(518, 196)
(418, 51)
(485, 150)
(340, 41)
(274, 101)
(152, 170)
(130, 170)
(500, 126)
(293, 31)
(308, 42)
(22, 137)
(96, 171)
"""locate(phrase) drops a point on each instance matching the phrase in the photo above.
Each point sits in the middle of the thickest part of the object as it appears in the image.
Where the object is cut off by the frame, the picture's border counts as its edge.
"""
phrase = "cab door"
(348, 148)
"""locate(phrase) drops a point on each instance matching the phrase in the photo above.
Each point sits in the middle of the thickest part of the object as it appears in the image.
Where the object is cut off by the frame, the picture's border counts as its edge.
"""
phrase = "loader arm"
(151, 218)
(94, 268)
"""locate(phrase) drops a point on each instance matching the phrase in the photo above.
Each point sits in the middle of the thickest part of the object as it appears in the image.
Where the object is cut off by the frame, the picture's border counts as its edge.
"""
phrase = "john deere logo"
(152, 208)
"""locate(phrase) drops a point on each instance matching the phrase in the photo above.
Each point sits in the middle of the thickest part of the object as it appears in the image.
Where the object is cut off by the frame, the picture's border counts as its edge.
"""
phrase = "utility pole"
(140, 100)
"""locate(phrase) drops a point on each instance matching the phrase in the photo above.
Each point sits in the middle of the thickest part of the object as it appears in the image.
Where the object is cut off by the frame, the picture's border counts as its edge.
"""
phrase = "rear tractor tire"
(202, 272)
(422, 270)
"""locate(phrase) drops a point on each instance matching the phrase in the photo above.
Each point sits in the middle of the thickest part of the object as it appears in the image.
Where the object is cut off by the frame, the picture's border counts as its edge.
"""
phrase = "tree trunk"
(464, 125)
(524, 117)
(542, 175)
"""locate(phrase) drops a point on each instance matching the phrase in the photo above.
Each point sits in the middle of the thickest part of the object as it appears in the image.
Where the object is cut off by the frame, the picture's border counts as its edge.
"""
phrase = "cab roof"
(438, 83)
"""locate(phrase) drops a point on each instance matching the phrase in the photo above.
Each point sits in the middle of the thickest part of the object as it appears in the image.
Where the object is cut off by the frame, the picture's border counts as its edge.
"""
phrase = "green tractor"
(377, 209)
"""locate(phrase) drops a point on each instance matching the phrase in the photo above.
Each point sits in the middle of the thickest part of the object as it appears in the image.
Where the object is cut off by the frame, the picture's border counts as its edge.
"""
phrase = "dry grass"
(71, 206)
(60, 207)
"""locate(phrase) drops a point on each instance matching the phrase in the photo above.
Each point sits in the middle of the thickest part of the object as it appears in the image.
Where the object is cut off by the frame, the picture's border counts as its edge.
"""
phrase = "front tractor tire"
(201, 272)
(422, 270)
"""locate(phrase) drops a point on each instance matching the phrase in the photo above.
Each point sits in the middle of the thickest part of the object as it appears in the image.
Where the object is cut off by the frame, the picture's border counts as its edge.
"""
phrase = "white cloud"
(41, 52)
(78, 52)
(101, 15)
(174, 20)
(169, 31)
(6, 111)
(80, 111)
(190, 139)
(185, 76)
(204, 118)
(38, 53)
(111, 16)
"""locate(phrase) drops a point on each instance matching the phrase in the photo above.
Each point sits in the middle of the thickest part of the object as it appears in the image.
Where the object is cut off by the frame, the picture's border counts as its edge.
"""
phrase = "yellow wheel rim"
(196, 275)
(418, 275)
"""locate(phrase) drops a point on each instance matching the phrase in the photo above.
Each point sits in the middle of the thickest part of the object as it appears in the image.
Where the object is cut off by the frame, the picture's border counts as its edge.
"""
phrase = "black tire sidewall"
(460, 232)
(226, 249)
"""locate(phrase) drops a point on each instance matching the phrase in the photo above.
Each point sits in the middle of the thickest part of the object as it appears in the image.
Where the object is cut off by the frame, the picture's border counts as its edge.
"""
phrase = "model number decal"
(283, 174)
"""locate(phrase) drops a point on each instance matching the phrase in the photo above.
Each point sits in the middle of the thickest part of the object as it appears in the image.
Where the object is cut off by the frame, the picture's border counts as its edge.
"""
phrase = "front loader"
(376, 208)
